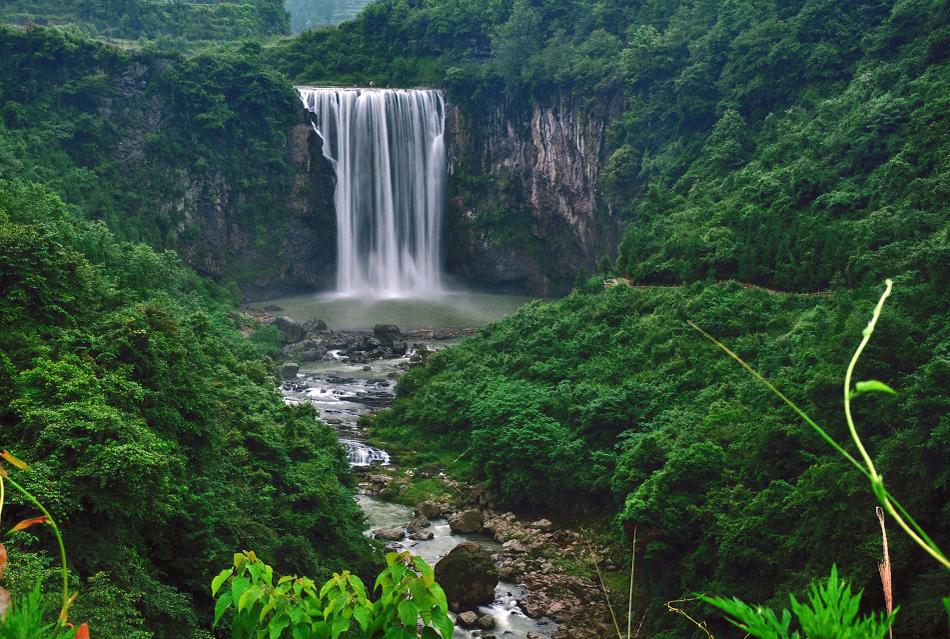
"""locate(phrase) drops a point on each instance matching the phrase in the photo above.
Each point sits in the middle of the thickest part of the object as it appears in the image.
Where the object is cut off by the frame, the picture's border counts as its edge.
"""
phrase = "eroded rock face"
(467, 575)
(554, 220)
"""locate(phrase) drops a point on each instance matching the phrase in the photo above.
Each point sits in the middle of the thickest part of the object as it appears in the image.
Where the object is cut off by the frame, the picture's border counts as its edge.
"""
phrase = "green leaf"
(250, 596)
(277, 625)
(339, 626)
(408, 612)
(361, 614)
(219, 580)
(872, 386)
(221, 606)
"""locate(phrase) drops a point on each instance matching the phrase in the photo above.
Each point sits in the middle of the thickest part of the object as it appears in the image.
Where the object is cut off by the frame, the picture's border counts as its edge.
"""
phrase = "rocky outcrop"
(540, 219)
(467, 575)
(261, 218)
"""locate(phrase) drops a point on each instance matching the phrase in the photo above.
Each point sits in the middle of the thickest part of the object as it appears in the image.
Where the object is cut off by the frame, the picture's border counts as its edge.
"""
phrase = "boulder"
(315, 325)
(486, 622)
(289, 370)
(429, 509)
(467, 521)
(312, 355)
(387, 333)
(542, 524)
(418, 523)
(468, 619)
(467, 575)
(422, 535)
(292, 330)
(390, 534)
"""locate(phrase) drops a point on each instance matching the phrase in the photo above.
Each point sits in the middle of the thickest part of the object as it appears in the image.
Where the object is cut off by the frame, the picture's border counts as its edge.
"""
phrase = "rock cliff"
(525, 211)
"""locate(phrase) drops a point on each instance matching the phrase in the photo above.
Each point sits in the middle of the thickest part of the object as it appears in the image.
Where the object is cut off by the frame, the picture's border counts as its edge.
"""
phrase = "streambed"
(341, 393)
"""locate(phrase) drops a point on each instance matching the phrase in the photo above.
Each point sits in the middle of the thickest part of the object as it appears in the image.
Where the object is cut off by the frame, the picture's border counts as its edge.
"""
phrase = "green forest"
(764, 169)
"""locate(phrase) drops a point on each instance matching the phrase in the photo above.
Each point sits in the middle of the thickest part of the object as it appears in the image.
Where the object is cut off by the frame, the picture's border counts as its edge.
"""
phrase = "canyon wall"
(524, 210)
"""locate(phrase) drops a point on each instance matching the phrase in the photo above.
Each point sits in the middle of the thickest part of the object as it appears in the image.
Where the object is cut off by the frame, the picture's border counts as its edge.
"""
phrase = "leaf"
(18, 463)
(248, 598)
(277, 625)
(218, 581)
(221, 606)
(408, 612)
(82, 632)
(362, 613)
(26, 523)
(3, 559)
(4, 602)
(872, 386)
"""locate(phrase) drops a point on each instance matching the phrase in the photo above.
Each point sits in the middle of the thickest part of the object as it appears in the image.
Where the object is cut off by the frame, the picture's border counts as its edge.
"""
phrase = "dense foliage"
(404, 603)
(156, 19)
(608, 397)
(825, 119)
(157, 434)
(152, 143)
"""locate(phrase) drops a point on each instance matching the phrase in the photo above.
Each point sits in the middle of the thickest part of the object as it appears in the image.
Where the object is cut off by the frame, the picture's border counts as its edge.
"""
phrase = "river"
(342, 392)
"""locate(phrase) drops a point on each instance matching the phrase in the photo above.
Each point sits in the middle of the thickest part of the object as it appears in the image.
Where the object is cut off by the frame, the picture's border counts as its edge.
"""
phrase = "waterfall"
(387, 149)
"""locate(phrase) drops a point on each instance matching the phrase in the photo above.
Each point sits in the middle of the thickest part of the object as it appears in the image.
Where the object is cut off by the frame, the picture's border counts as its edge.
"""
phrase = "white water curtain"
(387, 148)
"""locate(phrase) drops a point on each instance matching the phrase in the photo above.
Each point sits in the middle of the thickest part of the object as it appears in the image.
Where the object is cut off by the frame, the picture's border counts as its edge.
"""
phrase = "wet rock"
(289, 370)
(467, 575)
(292, 330)
(390, 534)
(468, 619)
(387, 333)
(429, 509)
(417, 524)
(367, 368)
(467, 521)
(422, 535)
(534, 635)
(486, 622)
(315, 325)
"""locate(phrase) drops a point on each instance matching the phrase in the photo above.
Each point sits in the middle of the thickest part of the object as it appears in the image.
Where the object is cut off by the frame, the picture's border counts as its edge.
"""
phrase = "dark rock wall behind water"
(525, 212)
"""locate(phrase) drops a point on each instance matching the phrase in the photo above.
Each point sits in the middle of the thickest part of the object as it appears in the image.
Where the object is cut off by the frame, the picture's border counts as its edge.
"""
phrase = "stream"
(341, 393)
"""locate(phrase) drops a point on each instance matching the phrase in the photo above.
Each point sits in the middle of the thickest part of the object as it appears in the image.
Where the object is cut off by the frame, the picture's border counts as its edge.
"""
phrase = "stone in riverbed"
(315, 325)
(422, 535)
(468, 619)
(292, 330)
(390, 534)
(387, 333)
(467, 575)
(429, 509)
(289, 370)
(467, 521)
(418, 524)
(486, 622)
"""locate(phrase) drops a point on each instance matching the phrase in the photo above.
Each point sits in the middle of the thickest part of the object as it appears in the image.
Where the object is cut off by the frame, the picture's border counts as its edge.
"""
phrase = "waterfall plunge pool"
(448, 310)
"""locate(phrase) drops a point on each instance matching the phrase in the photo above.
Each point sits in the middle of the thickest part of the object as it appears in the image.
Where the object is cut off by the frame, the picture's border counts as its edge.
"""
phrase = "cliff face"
(224, 234)
(268, 228)
(524, 208)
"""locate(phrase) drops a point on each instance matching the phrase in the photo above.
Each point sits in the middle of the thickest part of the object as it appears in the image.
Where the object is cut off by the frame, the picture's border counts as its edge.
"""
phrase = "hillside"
(154, 19)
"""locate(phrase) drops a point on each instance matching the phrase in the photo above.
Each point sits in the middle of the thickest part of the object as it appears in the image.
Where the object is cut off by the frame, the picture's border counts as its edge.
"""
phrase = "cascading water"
(387, 148)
